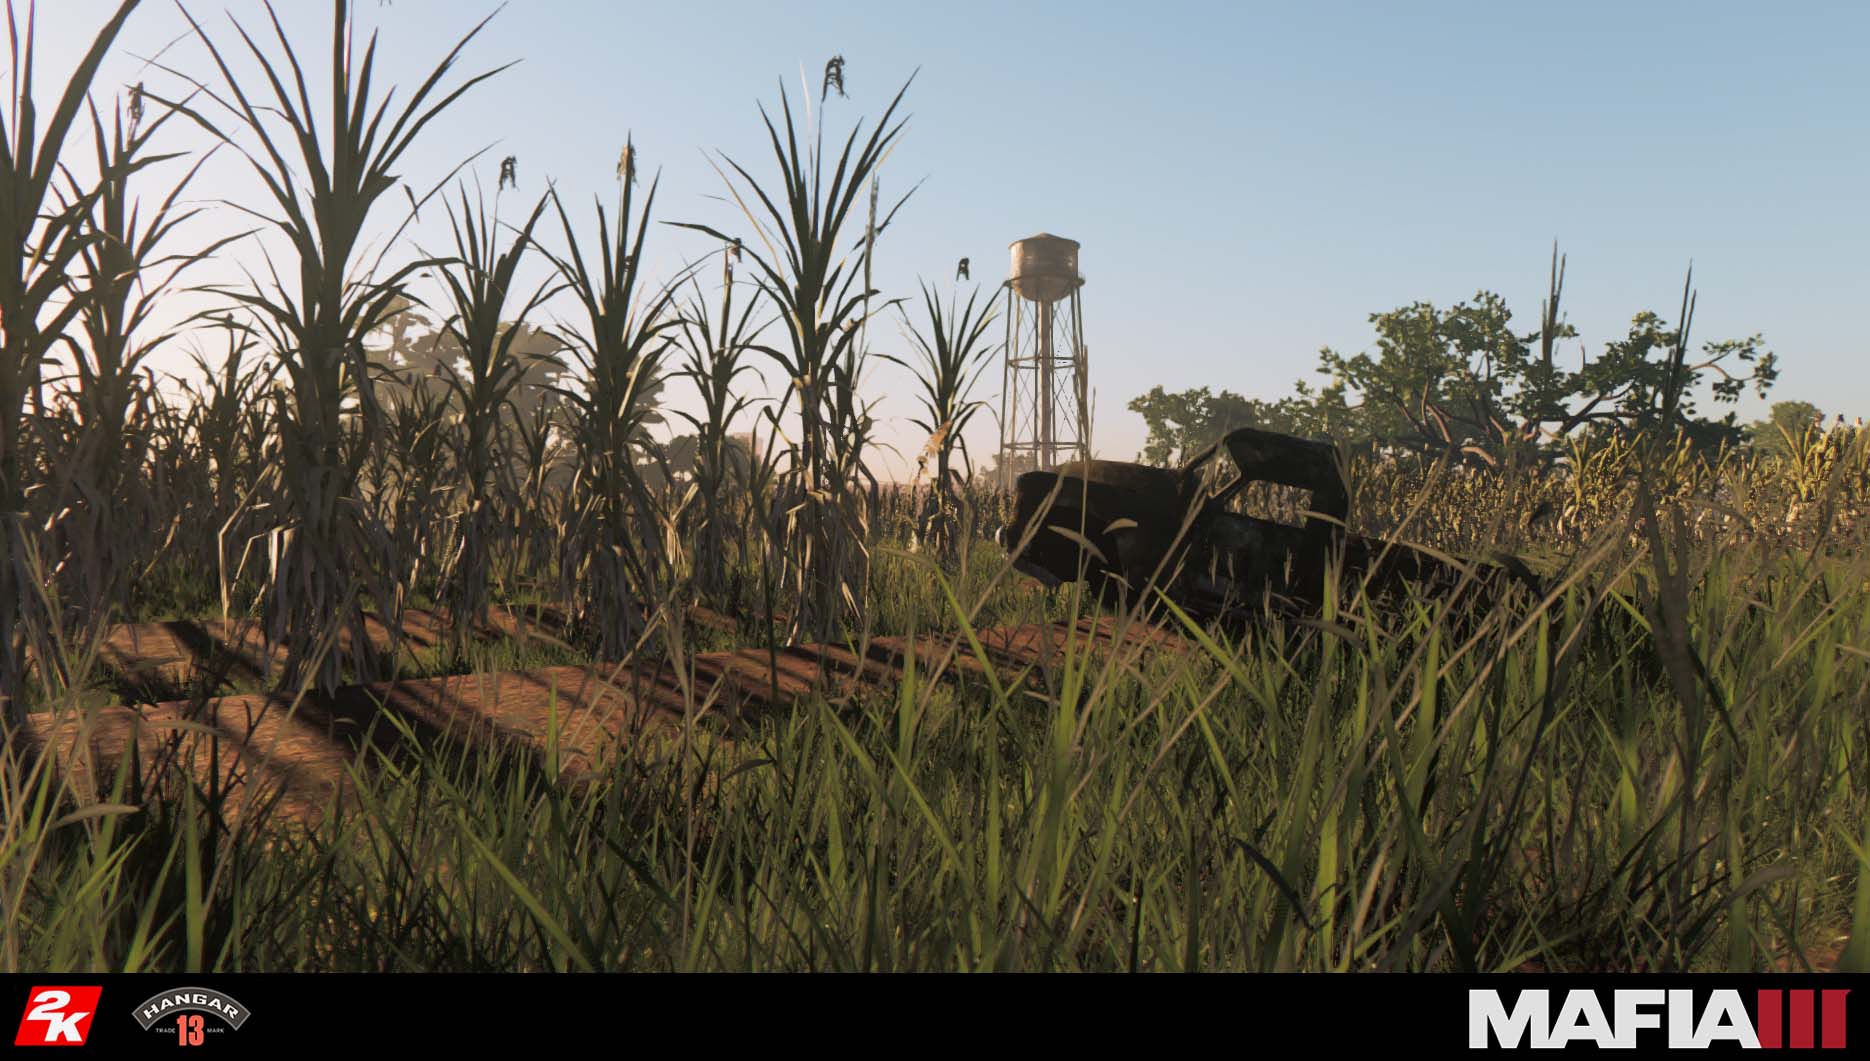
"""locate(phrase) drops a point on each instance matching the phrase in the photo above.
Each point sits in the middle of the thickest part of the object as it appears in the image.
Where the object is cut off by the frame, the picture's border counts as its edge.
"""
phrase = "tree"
(998, 472)
(1785, 425)
(1180, 424)
(677, 461)
(411, 351)
(543, 371)
(1461, 380)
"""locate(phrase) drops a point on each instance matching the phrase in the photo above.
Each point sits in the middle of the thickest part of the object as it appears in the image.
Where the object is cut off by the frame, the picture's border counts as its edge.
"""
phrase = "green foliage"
(951, 351)
(1788, 427)
(479, 284)
(1461, 377)
(619, 563)
(38, 303)
(1394, 791)
(324, 187)
(717, 462)
(1180, 424)
(1657, 764)
(822, 295)
(1462, 380)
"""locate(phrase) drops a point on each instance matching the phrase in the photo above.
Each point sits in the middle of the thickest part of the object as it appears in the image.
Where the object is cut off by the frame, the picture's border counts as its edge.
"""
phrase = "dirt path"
(258, 746)
(174, 652)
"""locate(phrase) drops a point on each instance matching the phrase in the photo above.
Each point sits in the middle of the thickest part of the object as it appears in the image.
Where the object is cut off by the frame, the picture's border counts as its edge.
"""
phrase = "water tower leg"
(1009, 408)
(1081, 373)
(1048, 421)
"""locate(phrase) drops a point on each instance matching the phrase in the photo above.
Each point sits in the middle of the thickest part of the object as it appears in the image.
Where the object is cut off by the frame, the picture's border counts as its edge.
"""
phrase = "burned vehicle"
(1128, 526)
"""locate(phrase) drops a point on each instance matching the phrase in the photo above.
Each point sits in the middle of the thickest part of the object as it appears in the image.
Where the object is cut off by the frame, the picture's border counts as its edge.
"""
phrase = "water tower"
(1044, 408)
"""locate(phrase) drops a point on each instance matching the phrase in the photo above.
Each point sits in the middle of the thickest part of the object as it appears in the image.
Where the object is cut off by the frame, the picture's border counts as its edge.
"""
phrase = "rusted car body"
(1131, 526)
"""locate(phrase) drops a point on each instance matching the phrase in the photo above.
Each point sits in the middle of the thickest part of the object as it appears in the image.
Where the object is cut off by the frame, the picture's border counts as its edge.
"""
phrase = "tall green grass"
(45, 240)
(823, 297)
(323, 186)
(479, 284)
(619, 543)
(1393, 790)
(1655, 766)
(951, 350)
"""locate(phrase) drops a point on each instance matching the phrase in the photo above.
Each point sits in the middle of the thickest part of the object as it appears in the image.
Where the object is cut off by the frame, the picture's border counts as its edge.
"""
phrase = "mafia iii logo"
(1800, 1019)
(183, 1013)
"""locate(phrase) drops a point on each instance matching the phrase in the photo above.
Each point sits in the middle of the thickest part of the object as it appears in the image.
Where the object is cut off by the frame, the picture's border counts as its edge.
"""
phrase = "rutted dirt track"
(266, 744)
(155, 654)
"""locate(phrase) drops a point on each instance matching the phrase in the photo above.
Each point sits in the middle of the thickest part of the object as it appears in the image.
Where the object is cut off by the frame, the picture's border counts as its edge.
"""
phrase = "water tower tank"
(1045, 267)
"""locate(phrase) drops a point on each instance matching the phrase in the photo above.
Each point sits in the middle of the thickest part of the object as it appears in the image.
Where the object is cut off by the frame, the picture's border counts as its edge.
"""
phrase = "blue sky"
(1249, 181)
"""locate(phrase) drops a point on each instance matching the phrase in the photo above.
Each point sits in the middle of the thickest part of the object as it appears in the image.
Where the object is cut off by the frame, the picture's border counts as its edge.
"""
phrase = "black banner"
(257, 1014)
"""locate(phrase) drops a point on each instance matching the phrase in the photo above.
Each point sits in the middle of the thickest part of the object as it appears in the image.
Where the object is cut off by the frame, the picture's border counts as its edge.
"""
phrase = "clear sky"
(1249, 181)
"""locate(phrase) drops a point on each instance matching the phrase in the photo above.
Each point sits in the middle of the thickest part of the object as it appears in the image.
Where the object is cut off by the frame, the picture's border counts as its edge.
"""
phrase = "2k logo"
(57, 1016)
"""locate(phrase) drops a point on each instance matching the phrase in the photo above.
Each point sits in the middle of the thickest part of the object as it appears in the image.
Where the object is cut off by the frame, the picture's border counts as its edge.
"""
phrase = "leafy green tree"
(1182, 423)
(1787, 423)
(543, 371)
(1462, 380)
(677, 459)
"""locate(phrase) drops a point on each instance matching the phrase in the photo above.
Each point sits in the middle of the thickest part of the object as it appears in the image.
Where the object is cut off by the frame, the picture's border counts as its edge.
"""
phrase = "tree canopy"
(1462, 380)
(1785, 426)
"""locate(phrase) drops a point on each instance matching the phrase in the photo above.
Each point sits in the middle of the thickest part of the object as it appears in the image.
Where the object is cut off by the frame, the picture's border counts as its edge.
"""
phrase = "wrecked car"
(1128, 526)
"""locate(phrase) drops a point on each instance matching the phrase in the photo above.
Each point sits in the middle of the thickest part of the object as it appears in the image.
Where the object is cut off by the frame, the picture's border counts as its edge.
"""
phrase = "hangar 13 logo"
(191, 1014)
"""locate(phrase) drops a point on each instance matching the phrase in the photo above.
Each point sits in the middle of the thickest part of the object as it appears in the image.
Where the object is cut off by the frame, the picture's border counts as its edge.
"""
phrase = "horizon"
(1246, 189)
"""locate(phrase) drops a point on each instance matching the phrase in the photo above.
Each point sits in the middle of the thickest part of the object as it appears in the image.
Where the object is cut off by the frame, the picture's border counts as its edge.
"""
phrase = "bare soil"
(172, 654)
(302, 751)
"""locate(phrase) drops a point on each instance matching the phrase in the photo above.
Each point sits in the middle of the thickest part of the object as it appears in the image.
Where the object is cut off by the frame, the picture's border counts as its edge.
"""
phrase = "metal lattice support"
(1044, 410)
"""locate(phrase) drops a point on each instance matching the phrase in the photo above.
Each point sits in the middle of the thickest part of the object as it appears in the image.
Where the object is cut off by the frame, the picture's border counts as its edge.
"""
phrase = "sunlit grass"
(1658, 764)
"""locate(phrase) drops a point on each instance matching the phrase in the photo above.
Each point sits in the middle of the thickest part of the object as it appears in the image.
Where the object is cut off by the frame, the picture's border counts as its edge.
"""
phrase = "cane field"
(1657, 761)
